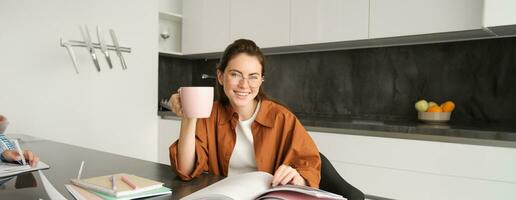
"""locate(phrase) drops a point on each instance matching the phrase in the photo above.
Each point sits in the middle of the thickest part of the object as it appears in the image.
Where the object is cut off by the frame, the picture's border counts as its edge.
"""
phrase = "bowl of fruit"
(431, 112)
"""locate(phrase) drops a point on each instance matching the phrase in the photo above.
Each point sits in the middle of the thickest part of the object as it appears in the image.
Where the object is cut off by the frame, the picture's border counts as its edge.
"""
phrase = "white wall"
(173, 6)
(114, 110)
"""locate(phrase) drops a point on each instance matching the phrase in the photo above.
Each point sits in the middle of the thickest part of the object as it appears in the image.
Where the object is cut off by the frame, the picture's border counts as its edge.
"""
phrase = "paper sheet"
(52, 193)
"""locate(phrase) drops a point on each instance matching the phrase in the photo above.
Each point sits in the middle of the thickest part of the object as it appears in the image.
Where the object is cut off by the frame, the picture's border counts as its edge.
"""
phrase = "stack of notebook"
(116, 186)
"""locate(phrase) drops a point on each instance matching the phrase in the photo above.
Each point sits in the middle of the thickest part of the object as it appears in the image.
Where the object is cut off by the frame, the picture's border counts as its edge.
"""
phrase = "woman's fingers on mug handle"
(178, 97)
(172, 100)
(179, 112)
(175, 104)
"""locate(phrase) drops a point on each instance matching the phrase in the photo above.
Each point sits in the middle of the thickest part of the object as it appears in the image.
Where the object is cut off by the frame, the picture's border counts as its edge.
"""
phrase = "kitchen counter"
(463, 133)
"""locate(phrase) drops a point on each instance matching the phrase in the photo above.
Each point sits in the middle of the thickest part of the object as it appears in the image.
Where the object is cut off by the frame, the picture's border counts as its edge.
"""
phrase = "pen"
(129, 182)
(20, 152)
(80, 170)
(113, 183)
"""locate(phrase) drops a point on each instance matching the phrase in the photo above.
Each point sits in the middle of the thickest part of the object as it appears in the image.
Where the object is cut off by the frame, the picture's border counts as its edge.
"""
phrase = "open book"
(257, 185)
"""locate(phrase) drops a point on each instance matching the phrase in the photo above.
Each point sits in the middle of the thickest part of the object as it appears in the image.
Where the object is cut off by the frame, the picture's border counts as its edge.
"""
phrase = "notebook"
(82, 194)
(11, 169)
(102, 184)
(150, 193)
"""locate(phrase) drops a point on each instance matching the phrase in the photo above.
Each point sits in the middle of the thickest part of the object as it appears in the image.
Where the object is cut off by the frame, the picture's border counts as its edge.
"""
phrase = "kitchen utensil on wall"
(90, 46)
(117, 47)
(86, 37)
(103, 48)
(72, 55)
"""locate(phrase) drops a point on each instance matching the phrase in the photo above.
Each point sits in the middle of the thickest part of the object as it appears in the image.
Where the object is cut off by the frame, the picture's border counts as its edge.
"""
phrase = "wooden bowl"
(434, 117)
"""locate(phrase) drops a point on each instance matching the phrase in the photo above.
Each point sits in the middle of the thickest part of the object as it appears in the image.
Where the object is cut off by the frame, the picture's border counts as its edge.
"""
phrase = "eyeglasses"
(253, 80)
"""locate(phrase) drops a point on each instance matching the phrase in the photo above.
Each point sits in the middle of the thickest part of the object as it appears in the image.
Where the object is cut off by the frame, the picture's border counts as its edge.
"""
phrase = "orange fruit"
(448, 106)
(434, 109)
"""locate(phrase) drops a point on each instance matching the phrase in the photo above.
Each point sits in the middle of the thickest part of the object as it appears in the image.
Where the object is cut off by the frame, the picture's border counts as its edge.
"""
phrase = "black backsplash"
(172, 74)
(380, 83)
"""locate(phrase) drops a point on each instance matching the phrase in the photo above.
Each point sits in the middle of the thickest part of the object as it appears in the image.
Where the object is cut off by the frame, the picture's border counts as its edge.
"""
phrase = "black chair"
(332, 182)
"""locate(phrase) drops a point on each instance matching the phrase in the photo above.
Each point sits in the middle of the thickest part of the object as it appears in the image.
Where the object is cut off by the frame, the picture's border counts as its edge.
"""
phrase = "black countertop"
(488, 134)
(65, 159)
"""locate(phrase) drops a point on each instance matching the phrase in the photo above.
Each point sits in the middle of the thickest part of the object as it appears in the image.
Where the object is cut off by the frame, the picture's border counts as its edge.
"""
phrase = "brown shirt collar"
(264, 117)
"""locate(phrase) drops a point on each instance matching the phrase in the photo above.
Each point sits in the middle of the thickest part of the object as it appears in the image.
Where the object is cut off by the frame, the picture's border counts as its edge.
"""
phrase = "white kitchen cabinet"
(168, 134)
(170, 33)
(415, 169)
(267, 22)
(170, 25)
(170, 6)
(500, 16)
(205, 26)
(499, 13)
(306, 25)
(415, 17)
(321, 21)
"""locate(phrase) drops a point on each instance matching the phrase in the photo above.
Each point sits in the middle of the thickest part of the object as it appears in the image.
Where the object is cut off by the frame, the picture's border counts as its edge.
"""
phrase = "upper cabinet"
(170, 25)
(267, 22)
(414, 17)
(205, 26)
(500, 16)
(321, 21)
(281, 26)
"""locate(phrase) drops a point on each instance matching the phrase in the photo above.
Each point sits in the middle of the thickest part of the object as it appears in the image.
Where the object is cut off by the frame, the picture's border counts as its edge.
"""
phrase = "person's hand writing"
(12, 156)
(287, 175)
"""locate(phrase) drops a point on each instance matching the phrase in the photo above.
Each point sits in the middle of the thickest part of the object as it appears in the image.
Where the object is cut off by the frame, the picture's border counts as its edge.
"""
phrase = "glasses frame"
(241, 77)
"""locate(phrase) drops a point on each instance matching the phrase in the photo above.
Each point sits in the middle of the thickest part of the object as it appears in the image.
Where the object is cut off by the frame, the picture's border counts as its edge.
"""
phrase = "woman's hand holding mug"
(192, 102)
(175, 104)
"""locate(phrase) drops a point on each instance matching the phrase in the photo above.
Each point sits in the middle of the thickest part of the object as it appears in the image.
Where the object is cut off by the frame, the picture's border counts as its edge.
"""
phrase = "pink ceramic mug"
(196, 101)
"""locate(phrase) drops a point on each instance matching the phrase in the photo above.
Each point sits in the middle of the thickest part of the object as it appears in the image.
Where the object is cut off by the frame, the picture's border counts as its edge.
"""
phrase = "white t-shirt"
(242, 159)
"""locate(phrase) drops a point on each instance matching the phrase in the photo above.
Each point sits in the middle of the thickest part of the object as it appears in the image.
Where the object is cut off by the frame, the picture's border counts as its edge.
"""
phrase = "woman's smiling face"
(241, 79)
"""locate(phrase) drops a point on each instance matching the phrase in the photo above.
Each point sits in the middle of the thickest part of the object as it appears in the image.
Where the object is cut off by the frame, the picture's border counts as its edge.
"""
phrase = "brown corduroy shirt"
(279, 138)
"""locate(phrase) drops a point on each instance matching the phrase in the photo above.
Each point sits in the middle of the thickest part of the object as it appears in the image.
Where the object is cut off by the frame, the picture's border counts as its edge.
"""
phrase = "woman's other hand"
(287, 175)
(12, 156)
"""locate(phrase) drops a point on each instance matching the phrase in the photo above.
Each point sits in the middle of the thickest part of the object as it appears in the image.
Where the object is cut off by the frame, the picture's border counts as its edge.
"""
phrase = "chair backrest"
(331, 181)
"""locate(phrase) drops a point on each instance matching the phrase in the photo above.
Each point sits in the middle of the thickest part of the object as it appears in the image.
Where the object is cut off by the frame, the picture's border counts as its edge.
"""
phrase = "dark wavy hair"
(237, 47)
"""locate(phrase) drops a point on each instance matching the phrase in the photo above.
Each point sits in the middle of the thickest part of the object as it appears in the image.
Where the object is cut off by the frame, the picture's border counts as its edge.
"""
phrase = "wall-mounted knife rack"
(101, 45)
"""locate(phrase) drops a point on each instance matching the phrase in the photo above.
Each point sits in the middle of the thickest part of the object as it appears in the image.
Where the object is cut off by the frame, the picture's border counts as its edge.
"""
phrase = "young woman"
(246, 131)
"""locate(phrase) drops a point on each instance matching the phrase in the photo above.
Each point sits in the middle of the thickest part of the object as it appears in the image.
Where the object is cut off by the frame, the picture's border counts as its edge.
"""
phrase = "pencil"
(80, 170)
(20, 151)
(129, 182)
(113, 183)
